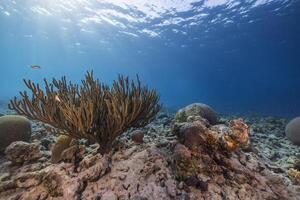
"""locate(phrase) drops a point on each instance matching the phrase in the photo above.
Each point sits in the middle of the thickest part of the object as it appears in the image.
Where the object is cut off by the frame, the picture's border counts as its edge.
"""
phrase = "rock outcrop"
(215, 167)
(20, 152)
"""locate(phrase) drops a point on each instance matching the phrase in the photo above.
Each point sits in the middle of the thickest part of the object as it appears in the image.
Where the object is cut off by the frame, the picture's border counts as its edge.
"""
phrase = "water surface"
(237, 56)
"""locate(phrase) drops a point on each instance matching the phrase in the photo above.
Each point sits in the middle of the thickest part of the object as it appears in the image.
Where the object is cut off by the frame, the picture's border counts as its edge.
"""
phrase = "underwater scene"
(149, 100)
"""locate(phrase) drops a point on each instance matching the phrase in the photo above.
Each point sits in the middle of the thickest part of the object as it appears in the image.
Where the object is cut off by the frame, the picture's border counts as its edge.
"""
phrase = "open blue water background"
(237, 56)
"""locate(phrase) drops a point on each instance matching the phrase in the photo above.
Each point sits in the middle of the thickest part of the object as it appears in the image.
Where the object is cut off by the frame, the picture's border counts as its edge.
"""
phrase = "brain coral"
(292, 131)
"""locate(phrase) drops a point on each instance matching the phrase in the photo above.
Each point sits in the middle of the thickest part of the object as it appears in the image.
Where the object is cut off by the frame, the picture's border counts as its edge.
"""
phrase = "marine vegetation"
(90, 110)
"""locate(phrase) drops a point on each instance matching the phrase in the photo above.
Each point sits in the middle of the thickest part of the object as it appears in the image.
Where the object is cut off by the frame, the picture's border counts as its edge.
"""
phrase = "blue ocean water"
(237, 56)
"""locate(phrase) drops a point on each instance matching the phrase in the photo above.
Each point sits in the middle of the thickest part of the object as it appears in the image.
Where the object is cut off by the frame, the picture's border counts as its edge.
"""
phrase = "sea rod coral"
(90, 110)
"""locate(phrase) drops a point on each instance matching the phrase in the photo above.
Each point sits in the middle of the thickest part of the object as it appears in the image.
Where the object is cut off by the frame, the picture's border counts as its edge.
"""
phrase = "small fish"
(35, 66)
(57, 98)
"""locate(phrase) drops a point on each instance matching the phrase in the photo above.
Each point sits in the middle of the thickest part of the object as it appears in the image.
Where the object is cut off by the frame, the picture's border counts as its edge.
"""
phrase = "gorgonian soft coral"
(91, 110)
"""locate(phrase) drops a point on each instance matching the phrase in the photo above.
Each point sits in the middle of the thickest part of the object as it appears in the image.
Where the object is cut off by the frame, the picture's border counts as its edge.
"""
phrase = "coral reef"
(162, 167)
(235, 136)
(205, 150)
(292, 131)
(91, 110)
(13, 128)
(221, 137)
(193, 160)
(210, 161)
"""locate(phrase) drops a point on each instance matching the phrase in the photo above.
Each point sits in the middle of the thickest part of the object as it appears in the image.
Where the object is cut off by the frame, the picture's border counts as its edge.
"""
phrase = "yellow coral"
(238, 135)
(63, 142)
(294, 175)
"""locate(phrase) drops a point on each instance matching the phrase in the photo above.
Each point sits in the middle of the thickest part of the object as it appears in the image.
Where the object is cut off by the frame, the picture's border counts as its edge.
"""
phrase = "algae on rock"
(92, 110)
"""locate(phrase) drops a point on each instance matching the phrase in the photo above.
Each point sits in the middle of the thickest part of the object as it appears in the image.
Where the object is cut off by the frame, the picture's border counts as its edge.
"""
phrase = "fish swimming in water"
(35, 66)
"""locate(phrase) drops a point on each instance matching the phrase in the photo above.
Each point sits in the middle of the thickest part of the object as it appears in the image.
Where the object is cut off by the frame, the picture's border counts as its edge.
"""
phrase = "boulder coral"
(13, 128)
(292, 131)
(197, 109)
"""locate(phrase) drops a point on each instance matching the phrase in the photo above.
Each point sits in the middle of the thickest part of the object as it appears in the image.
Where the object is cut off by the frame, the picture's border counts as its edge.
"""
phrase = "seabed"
(160, 165)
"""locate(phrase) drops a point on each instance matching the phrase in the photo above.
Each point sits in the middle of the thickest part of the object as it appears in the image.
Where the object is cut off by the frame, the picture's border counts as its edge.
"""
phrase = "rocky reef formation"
(187, 160)
(217, 167)
(20, 152)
